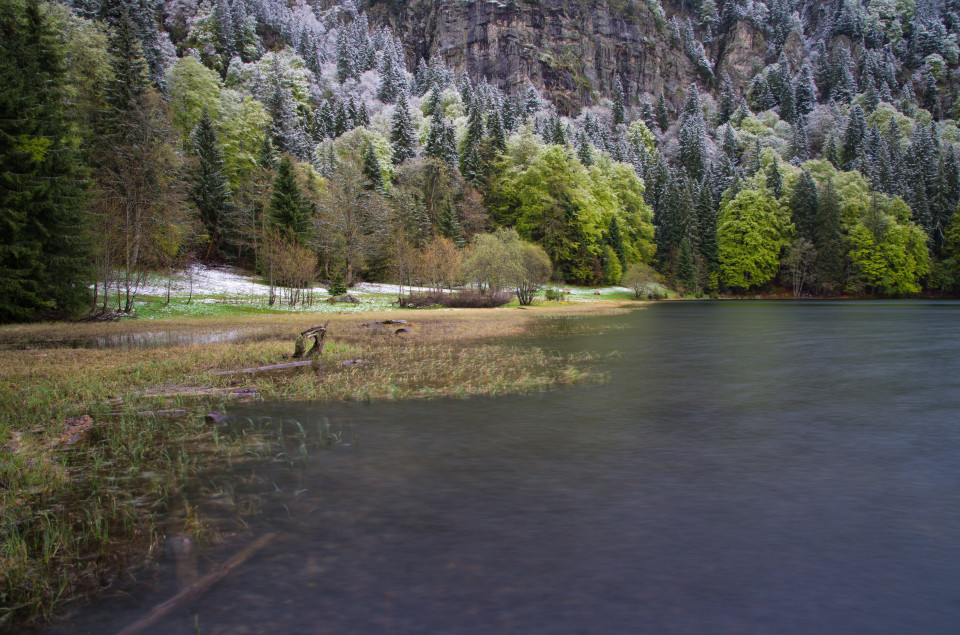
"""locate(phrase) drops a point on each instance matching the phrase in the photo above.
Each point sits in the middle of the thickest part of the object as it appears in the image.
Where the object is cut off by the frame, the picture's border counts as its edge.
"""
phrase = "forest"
(300, 140)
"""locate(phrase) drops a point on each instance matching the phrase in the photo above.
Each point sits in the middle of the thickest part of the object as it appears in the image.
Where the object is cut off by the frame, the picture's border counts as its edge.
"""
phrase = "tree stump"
(318, 333)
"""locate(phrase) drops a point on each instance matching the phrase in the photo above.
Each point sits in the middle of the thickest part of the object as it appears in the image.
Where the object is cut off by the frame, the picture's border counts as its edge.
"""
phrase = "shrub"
(554, 295)
(337, 287)
(458, 300)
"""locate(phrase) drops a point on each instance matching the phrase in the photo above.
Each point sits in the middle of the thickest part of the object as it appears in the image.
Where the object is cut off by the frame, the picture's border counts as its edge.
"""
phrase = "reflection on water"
(750, 467)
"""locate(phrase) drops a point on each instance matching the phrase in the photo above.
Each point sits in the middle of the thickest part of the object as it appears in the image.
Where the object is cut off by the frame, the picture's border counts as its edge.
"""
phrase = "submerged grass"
(78, 500)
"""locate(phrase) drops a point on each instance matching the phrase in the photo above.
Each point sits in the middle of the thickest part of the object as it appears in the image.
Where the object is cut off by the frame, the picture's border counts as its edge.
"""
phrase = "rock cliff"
(570, 49)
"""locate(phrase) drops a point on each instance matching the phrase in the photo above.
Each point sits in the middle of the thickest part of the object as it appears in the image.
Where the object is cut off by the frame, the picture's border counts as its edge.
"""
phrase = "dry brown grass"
(56, 509)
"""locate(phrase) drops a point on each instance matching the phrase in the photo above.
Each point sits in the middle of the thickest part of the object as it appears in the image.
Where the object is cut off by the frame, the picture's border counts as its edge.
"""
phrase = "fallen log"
(199, 587)
(260, 369)
(318, 333)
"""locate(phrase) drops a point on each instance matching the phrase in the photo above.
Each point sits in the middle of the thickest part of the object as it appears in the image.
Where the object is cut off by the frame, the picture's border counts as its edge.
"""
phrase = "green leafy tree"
(751, 235)
(887, 255)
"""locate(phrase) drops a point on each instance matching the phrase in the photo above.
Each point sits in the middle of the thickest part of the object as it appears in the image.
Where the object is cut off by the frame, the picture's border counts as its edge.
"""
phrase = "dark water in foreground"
(749, 467)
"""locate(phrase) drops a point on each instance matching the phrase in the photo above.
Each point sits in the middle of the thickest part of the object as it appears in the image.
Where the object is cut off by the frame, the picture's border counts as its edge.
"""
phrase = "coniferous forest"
(320, 140)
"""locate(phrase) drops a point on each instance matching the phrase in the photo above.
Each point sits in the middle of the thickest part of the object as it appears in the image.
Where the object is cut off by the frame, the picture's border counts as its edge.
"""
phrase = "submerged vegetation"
(99, 445)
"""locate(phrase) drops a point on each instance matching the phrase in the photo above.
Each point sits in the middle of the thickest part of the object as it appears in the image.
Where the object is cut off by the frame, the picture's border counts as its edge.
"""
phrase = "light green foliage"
(556, 202)
(853, 189)
(882, 116)
(888, 255)
(241, 122)
(751, 233)
(192, 88)
(638, 133)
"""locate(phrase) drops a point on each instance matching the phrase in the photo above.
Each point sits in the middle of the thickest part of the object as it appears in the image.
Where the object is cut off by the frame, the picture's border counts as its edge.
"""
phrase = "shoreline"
(98, 444)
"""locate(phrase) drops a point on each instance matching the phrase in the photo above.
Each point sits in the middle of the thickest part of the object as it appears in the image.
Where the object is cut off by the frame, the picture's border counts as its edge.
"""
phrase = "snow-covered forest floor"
(209, 287)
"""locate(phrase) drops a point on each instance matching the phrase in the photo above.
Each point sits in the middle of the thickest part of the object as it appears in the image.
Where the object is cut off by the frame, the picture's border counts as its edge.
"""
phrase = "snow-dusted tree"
(371, 168)
(692, 136)
(402, 135)
(618, 116)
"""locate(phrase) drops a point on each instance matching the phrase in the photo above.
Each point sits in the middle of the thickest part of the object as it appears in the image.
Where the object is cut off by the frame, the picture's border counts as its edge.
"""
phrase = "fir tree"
(615, 240)
(693, 152)
(804, 206)
(583, 149)
(618, 117)
(371, 169)
(495, 131)
(707, 225)
(210, 191)
(774, 178)
(829, 240)
(288, 212)
(402, 135)
(470, 166)
(853, 137)
(44, 257)
(662, 114)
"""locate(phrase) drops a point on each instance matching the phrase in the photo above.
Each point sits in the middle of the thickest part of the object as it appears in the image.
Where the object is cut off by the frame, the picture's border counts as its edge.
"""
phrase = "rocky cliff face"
(571, 49)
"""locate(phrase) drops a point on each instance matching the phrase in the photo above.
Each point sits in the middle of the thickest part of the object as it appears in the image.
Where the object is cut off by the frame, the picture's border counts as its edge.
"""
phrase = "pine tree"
(686, 274)
(583, 149)
(693, 152)
(402, 135)
(774, 178)
(618, 117)
(853, 137)
(495, 131)
(470, 166)
(371, 169)
(804, 206)
(662, 115)
(707, 225)
(210, 191)
(829, 240)
(44, 258)
(615, 240)
(799, 144)
(728, 102)
(805, 91)
(288, 212)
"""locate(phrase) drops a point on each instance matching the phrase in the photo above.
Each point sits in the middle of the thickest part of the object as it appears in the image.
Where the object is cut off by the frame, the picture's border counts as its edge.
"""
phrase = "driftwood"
(318, 333)
(260, 369)
(198, 588)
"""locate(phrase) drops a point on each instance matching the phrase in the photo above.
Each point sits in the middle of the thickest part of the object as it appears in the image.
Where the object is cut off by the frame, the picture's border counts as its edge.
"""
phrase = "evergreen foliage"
(44, 257)
(288, 212)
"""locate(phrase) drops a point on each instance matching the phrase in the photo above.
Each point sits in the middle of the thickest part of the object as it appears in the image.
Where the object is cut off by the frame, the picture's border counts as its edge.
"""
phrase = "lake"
(748, 467)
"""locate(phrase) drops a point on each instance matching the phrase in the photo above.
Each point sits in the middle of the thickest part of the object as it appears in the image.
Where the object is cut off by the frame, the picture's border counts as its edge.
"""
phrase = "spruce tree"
(804, 206)
(402, 135)
(615, 240)
(828, 240)
(470, 166)
(44, 257)
(371, 169)
(495, 131)
(618, 117)
(693, 133)
(288, 212)
(707, 225)
(661, 114)
(774, 178)
(210, 191)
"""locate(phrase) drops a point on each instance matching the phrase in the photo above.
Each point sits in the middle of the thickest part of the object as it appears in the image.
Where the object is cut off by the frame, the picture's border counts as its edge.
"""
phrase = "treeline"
(140, 136)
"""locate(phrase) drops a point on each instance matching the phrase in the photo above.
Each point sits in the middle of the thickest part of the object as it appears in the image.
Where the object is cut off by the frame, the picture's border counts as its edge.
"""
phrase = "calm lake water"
(749, 467)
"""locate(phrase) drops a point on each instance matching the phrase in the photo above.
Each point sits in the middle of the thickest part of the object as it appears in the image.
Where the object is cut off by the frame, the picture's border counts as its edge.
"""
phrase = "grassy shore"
(98, 443)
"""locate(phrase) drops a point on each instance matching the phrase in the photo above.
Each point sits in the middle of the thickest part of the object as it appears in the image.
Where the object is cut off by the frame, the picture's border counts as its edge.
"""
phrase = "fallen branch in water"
(199, 587)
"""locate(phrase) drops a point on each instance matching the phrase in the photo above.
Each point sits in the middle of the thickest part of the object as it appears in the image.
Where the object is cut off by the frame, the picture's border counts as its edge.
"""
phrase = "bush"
(458, 300)
(337, 287)
(554, 295)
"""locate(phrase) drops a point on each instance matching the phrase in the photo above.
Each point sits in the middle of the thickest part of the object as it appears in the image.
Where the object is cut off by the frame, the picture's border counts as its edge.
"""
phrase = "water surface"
(750, 467)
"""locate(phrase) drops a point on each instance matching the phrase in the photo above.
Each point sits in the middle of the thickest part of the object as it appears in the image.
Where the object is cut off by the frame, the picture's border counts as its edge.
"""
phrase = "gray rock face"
(570, 49)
